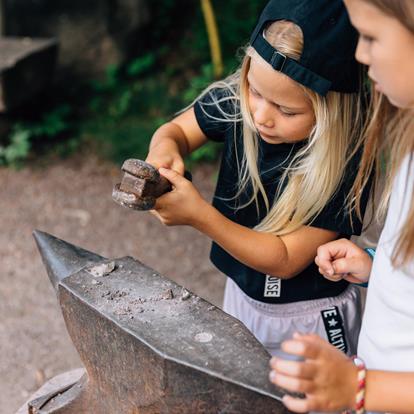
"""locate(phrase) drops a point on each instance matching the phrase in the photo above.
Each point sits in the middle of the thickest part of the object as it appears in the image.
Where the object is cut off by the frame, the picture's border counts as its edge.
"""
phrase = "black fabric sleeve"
(336, 215)
(215, 112)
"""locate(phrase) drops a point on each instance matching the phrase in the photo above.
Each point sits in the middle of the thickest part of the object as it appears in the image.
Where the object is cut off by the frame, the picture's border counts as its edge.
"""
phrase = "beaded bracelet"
(360, 395)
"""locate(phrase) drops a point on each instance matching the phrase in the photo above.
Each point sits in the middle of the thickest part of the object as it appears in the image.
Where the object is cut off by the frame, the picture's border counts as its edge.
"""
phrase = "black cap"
(327, 62)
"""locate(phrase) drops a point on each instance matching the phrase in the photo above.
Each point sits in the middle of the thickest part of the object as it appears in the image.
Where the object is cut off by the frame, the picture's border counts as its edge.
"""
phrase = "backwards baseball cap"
(327, 62)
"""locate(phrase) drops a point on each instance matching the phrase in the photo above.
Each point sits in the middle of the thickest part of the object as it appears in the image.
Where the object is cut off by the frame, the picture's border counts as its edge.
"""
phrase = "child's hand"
(163, 157)
(342, 259)
(183, 205)
(327, 377)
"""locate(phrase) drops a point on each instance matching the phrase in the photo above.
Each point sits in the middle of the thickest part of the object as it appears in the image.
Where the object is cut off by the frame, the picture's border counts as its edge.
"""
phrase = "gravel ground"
(71, 200)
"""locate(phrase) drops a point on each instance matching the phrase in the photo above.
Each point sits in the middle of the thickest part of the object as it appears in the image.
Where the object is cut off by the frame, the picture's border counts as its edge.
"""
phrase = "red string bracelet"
(360, 395)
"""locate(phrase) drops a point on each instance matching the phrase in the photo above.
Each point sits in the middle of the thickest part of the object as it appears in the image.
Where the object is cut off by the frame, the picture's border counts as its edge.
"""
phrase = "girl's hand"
(164, 156)
(342, 259)
(183, 205)
(327, 377)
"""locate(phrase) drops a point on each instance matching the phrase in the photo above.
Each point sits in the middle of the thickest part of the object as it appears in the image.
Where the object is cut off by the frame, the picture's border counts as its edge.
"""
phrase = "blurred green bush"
(117, 114)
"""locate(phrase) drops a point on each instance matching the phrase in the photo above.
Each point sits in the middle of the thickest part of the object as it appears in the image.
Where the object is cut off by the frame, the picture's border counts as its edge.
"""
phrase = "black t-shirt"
(272, 160)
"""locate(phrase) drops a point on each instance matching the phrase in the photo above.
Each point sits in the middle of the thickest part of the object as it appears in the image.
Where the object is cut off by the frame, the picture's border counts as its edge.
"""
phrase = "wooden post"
(213, 37)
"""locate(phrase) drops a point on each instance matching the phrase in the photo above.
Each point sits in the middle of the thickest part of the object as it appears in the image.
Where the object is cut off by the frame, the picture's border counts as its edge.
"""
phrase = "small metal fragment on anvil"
(102, 269)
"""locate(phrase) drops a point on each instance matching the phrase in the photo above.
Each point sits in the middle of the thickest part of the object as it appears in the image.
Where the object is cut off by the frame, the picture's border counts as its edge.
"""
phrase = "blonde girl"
(386, 344)
(288, 120)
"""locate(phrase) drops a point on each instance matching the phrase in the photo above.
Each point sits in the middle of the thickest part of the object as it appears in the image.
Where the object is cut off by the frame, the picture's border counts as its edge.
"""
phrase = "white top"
(386, 341)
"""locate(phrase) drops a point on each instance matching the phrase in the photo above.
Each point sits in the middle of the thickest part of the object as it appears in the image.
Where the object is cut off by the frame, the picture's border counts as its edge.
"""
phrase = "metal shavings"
(117, 295)
(168, 294)
(123, 311)
(185, 294)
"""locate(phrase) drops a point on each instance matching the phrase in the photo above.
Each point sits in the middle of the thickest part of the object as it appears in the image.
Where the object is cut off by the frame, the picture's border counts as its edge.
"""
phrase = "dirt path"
(71, 200)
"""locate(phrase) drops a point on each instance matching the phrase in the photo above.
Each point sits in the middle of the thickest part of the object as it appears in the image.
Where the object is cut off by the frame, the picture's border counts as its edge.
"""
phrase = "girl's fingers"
(333, 250)
(325, 266)
(293, 368)
(156, 214)
(292, 384)
(178, 166)
(298, 405)
(300, 346)
(351, 265)
(333, 278)
(172, 176)
(159, 203)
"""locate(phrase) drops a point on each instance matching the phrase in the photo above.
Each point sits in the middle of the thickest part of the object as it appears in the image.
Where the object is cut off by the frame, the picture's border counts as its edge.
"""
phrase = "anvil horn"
(148, 345)
(61, 258)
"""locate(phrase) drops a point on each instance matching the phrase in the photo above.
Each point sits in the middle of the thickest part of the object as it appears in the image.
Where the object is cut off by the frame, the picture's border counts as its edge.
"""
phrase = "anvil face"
(151, 347)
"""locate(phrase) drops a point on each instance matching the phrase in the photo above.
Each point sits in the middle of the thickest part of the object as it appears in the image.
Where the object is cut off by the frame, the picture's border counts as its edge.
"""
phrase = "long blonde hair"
(316, 171)
(388, 140)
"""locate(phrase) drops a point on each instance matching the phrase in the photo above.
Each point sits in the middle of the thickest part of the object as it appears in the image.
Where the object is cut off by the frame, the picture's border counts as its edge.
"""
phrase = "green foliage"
(167, 77)
(122, 118)
(18, 147)
(140, 65)
(199, 82)
(51, 125)
(118, 114)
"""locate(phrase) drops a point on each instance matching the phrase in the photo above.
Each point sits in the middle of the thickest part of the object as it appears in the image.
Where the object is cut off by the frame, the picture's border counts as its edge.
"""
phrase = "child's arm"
(342, 259)
(283, 256)
(174, 140)
(329, 380)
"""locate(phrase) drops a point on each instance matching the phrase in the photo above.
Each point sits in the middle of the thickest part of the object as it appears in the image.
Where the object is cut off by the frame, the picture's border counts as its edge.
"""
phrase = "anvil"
(149, 346)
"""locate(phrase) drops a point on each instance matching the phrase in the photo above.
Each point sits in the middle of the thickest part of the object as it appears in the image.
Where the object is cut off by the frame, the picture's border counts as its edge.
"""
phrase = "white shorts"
(337, 319)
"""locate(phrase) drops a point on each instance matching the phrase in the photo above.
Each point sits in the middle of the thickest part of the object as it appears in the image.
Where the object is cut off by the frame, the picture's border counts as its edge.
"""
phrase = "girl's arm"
(174, 140)
(283, 256)
(329, 380)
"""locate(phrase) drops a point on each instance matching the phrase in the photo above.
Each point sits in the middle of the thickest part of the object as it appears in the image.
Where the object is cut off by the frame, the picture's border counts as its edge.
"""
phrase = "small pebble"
(185, 294)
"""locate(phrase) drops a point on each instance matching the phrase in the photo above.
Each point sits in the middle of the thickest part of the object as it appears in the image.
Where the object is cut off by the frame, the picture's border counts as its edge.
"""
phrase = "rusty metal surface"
(141, 169)
(131, 200)
(141, 185)
(151, 347)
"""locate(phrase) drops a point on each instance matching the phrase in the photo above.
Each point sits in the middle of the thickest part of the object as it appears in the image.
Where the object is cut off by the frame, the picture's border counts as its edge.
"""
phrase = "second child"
(382, 378)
